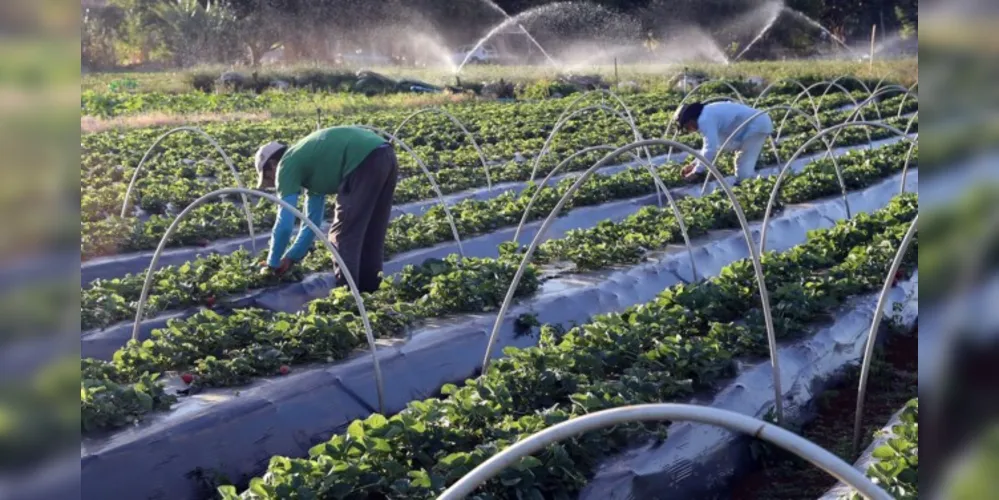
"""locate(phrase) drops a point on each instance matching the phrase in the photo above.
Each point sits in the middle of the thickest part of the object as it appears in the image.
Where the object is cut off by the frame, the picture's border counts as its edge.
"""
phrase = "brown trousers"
(361, 218)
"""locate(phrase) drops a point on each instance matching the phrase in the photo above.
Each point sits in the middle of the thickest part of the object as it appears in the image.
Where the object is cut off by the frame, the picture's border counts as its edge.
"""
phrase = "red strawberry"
(210, 301)
(284, 369)
(898, 277)
(187, 378)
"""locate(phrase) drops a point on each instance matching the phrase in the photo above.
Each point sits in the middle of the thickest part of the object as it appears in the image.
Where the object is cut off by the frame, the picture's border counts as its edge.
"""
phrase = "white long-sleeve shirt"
(719, 120)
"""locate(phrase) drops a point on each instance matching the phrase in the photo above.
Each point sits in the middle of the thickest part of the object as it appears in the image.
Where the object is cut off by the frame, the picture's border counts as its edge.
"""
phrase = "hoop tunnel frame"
(740, 215)
(732, 421)
(225, 158)
(319, 236)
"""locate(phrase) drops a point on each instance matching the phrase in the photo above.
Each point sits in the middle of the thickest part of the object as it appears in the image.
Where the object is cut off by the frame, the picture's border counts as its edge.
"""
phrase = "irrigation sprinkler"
(337, 260)
(430, 177)
(815, 124)
(456, 121)
(872, 335)
(565, 119)
(659, 186)
(225, 158)
(754, 254)
(665, 412)
(799, 152)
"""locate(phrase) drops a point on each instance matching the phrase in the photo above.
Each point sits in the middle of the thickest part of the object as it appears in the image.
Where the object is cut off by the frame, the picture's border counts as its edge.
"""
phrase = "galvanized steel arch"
(754, 252)
(225, 158)
(337, 259)
(456, 121)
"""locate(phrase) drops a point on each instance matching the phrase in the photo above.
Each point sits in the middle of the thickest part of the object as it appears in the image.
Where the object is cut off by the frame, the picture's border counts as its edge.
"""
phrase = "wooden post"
(617, 81)
(874, 32)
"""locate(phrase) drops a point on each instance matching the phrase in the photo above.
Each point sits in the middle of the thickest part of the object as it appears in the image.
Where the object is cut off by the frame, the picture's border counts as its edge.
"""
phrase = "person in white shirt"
(716, 122)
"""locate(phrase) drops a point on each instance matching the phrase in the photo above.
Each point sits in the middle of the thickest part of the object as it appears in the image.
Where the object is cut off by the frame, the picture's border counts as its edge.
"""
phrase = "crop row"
(502, 130)
(684, 341)
(226, 351)
(897, 467)
(208, 279)
(111, 235)
(174, 180)
(107, 104)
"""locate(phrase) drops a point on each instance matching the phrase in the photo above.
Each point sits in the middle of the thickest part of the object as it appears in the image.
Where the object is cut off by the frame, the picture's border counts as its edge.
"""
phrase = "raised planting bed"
(288, 414)
(397, 307)
(598, 248)
(194, 229)
(685, 340)
(233, 279)
(892, 458)
(163, 192)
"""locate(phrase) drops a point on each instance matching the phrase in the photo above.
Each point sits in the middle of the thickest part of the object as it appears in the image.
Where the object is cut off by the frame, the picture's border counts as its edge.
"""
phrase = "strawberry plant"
(181, 172)
(660, 351)
(203, 280)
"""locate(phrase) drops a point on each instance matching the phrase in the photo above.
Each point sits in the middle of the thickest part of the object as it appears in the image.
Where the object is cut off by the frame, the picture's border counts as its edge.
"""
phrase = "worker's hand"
(690, 171)
(284, 266)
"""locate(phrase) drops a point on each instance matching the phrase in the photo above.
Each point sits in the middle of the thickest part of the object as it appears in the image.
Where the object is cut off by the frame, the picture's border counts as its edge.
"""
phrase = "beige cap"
(263, 154)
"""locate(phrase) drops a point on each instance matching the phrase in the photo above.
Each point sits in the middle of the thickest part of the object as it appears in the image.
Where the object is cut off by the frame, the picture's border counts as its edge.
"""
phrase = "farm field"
(533, 233)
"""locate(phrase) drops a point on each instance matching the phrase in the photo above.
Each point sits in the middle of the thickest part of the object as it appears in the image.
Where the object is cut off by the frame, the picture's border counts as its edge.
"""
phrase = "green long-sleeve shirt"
(318, 164)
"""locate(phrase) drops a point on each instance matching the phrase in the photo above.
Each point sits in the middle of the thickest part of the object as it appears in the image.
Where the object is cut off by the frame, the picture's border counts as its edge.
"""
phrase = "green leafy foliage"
(660, 351)
(217, 277)
(186, 167)
(896, 469)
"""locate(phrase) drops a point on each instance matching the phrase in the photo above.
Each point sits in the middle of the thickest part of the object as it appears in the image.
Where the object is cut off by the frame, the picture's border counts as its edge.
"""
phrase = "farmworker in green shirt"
(361, 169)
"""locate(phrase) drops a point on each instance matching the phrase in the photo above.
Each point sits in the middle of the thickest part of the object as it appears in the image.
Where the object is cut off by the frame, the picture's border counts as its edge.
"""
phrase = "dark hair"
(690, 113)
(276, 156)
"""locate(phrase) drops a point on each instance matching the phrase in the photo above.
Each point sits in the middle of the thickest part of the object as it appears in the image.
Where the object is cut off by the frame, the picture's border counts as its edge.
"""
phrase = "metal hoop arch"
(912, 148)
(697, 87)
(872, 334)
(565, 119)
(906, 96)
(612, 94)
(319, 236)
(656, 179)
(828, 86)
(754, 253)
(729, 420)
(801, 149)
(858, 111)
(456, 121)
(430, 177)
(802, 86)
(225, 158)
(815, 124)
(866, 88)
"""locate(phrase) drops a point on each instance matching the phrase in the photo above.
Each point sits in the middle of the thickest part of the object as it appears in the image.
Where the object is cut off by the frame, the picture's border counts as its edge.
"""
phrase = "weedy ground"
(893, 382)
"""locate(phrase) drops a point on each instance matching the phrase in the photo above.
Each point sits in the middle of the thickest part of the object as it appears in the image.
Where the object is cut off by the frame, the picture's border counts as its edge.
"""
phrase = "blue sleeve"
(281, 233)
(315, 208)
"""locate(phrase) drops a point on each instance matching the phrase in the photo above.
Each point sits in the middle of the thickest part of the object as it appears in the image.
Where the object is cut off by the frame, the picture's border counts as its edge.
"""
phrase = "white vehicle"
(484, 54)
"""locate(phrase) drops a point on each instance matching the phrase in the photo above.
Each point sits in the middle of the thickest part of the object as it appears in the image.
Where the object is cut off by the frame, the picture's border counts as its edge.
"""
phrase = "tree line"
(179, 33)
